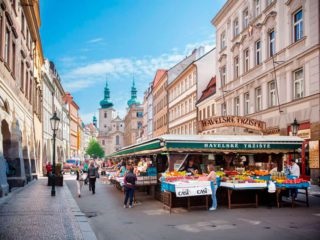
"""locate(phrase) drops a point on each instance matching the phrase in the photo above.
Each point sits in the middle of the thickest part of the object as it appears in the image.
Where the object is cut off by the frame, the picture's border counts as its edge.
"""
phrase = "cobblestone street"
(31, 213)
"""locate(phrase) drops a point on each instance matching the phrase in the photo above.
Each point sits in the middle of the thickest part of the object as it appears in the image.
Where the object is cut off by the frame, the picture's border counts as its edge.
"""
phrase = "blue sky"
(91, 40)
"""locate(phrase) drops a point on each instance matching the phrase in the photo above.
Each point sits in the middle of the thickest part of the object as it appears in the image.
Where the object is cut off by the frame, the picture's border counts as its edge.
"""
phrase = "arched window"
(117, 140)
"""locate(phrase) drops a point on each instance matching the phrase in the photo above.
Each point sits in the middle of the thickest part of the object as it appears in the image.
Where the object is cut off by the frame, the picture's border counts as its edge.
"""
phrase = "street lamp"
(294, 127)
(54, 121)
(294, 130)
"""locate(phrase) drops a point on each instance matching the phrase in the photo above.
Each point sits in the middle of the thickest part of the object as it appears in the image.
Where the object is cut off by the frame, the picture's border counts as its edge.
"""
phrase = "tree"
(94, 149)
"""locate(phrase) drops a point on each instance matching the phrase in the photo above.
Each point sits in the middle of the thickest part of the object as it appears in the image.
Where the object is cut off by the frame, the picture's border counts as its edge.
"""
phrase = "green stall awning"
(213, 143)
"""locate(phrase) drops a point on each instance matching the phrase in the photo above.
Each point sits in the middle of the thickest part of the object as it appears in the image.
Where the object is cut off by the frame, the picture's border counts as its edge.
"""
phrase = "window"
(246, 60)
(272, 49)
(257, 7)
(7, 47)
(269, 2)
(223, 40)
(22, 76)
(236, 106)
(272, 93)
(258, 99)
(223, 76)
(105, 114)
(224, 109)
(117, 140)
(236, 67)
(27, 84)
(246, 103)
(298, 25)
(245, 18)
(22, 23)
(103, 142)
(139, 125)
(139, 114)
(298, 84)
(31, 90)
(258, 52)
(13, 63)
(236, 27)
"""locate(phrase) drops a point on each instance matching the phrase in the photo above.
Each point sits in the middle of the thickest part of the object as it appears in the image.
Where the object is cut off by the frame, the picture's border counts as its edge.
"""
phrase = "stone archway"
(5, 142)
(16, 173)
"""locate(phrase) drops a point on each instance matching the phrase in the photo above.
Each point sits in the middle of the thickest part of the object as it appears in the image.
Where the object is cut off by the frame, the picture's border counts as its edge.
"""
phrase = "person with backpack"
(129, 185)
(92, 175)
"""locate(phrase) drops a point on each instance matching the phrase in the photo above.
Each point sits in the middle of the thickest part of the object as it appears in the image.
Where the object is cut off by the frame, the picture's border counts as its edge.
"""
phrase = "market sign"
(232, 121)
(196, 190)
(314, 154)
(233, 146)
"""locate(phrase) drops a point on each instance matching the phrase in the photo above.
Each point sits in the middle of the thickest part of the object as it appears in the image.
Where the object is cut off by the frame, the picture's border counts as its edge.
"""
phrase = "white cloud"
(80, 76)
(95, 40)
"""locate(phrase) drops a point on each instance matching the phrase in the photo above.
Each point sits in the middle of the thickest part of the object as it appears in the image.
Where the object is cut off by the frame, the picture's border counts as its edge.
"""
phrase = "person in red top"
(48, 168)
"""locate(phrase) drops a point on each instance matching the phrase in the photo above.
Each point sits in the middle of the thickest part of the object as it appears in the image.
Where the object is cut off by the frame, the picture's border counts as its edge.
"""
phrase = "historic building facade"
(74, 123)
(183, 90)
(160, 103)
(20, 91)
(111, 126)
(133, 120)
(147, 128)
(268, 65)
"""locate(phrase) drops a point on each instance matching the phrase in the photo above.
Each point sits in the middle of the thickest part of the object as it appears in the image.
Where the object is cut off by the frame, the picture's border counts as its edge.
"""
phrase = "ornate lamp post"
(294, 130)
(294, 127)
(54, 121)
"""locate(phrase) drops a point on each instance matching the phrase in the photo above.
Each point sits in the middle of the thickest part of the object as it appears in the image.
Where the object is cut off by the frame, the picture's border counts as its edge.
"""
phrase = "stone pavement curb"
(81, 218)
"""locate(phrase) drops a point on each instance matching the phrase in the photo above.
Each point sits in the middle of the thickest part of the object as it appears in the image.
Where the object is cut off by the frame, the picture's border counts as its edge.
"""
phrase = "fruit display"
(220, 173)
(241, 179)
(261, 172)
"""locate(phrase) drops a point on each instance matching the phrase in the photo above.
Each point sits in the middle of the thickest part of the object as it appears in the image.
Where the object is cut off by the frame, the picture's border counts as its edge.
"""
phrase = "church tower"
(111, 126)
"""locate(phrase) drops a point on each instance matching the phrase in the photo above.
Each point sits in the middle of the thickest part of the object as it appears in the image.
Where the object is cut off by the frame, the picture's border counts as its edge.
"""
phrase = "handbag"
(97, 173)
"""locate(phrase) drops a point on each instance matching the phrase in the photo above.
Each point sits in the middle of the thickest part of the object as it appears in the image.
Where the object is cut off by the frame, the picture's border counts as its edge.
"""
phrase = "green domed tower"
(133, 99)
(94, 121)
(106, 103)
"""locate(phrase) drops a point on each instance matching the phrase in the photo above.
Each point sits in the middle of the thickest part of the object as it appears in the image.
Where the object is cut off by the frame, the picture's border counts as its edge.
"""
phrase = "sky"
(91, 41)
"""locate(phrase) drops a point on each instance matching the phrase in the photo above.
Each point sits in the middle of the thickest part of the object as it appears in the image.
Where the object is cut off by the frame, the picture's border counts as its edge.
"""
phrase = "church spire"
(133, 99)
(106, 103)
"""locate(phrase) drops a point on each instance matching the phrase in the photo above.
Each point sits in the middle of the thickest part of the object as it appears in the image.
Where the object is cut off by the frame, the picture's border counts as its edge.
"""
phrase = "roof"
(209, 90)
(213, 143)
(158, 76)
(177, 69)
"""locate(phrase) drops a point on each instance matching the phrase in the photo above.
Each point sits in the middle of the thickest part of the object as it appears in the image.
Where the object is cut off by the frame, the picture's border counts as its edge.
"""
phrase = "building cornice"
(223, 11)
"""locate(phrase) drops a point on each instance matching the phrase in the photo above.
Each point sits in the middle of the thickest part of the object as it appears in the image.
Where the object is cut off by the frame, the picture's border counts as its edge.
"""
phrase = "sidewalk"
(31, 213)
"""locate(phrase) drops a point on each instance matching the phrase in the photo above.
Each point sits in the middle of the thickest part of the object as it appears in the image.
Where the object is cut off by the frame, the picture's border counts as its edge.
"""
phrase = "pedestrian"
(294, 172)
(129, 185)
(213, 178)
(81, 176)
(92, 175)
(48, 168)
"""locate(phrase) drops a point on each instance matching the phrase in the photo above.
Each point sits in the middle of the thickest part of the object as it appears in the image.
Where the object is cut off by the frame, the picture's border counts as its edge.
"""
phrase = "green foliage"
(94, 149)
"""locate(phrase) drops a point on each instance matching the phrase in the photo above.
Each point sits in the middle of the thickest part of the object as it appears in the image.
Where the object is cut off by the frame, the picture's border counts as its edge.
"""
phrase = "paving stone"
(33, 214)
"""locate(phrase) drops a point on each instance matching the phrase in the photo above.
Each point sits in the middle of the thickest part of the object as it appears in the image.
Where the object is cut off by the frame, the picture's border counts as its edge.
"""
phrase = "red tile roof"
(210, 89)
(158, 76)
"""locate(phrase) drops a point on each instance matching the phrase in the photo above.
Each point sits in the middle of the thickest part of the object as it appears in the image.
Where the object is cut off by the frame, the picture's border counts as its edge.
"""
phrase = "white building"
(147, 114)
(47, 112)
(268, 65)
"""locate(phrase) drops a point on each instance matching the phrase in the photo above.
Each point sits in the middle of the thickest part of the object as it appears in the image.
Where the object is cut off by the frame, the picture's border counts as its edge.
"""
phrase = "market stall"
(241, 154)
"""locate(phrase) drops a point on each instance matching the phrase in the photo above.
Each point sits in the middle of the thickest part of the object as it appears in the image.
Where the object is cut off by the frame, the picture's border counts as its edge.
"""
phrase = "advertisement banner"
(314, 154)
(186, 190)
